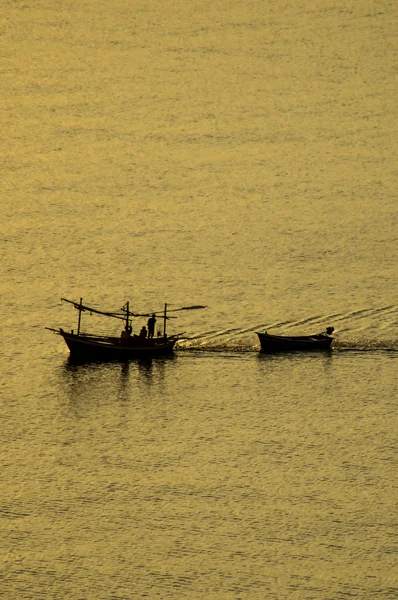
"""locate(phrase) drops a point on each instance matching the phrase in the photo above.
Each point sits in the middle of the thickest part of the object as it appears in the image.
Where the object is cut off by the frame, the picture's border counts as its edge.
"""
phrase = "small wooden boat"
(280, 343)
(87, 346)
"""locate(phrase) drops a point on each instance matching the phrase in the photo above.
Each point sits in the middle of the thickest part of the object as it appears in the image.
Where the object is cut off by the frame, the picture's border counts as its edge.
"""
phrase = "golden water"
(236, 155)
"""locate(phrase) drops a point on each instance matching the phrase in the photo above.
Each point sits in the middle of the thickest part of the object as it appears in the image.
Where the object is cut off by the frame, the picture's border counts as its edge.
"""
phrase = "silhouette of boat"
(281, 343)
(88, 346)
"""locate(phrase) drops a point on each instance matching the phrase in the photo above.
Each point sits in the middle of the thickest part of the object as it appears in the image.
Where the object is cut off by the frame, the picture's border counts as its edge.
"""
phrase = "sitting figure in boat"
(143, 332)
(327, 333)
(151, 325)
(126, 333)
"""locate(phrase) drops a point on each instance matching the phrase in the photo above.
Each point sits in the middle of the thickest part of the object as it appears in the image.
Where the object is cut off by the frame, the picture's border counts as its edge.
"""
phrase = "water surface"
(236, 156)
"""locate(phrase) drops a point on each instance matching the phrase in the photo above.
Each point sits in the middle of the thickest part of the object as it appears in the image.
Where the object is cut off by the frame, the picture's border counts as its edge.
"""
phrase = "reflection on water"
(85, 380)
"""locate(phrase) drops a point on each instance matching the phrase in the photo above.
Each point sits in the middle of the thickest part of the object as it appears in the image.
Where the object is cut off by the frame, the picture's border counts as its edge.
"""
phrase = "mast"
(127, 314)
(164, 320)
(80, 316)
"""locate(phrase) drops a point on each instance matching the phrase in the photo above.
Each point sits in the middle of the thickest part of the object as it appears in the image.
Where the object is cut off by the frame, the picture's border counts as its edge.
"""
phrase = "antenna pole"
(80, 316)
(164, 320)
(127, 314)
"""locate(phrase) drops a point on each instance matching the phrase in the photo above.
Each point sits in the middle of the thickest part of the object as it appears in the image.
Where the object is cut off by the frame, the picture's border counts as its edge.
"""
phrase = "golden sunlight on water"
(158, 481)
(235, 155)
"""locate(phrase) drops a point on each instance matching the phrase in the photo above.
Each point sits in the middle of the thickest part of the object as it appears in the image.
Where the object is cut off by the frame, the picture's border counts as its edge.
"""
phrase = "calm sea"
(236, 155)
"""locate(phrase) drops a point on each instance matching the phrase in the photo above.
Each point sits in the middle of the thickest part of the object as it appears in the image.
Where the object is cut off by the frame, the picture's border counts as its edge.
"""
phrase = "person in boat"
(151, 325)
(126, 333)
(143, 332)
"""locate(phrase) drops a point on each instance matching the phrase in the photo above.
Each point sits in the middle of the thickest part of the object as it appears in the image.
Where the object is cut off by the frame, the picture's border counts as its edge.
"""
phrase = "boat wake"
(366, 345)
(357, 330)
(242, 346)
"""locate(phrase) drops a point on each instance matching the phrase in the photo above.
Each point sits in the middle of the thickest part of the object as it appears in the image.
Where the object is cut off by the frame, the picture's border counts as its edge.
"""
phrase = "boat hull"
(271, 344)
(85, 347)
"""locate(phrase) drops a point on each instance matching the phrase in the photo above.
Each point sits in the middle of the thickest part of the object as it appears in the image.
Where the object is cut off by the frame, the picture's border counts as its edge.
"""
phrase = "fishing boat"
(89, 346)
(280, 343)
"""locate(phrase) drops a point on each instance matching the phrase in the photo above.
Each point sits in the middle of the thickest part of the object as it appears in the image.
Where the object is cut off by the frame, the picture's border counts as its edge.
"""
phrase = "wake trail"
(350, 321)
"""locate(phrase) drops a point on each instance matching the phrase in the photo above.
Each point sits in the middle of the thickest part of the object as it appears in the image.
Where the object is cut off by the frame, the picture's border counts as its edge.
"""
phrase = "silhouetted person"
(143, 332)
(126, 333)
(151, 325)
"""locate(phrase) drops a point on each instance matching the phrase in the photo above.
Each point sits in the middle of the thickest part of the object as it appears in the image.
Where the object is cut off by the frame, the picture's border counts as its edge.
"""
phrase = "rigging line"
(158, 312)
(161, 311)
(84, 308)
(118, 315)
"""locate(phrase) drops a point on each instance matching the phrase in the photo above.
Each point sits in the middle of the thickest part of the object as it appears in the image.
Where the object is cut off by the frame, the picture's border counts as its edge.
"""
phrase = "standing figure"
(151, 325)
